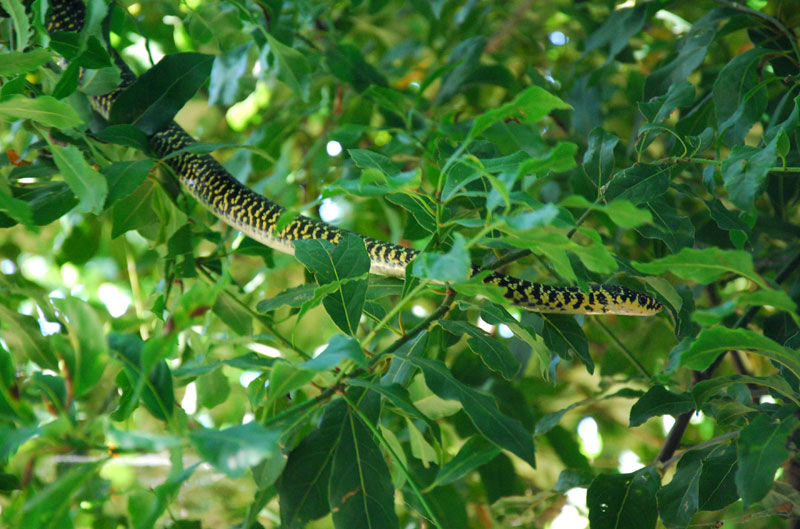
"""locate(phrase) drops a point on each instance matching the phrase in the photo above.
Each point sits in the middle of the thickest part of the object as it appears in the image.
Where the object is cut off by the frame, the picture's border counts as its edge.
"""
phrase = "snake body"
(257, 216)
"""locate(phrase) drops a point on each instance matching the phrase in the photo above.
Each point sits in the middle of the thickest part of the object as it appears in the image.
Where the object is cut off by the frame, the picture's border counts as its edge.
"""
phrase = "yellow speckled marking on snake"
(231, 201)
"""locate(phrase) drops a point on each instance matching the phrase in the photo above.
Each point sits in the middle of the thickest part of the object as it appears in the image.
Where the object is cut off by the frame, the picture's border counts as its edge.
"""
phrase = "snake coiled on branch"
(257, 216)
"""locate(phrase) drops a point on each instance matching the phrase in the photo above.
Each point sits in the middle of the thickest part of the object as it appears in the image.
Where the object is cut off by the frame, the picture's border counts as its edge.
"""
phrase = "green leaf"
(676, 230)
(360, 493)
(777, 299)
(482, 410)
(691, 50)
(45, 110)
(388, 99)
(155, 389)
(15, 9)
(292, 297)
(124, 134)
(227, 74)
(704, 266)
(398, 396)
(711, 343)
(134, 211)
(453, 266)
(293, 67)
(50, 505)
(146, 508)
(562, 334)
(761, 448)
(419, 206)
(529, 106)
(24, 339)
(367, 159)
(463, 62)
(124, 177)
(624, 500)
(9, 482)
(622, 212)
(88, 185)
(346, 266)
(680, 94)
(740, 97)
(151, 101)
(233, 450)
(639, 183)
(618, 28)
(703, 391)
(474, 453)
(212, 389)
(17, 62)
(492, 352)
(12, 438)
(142, 441)
(339, 348)
(560, 158)
(285, 378)
(598, 160)
(17, 209)
(717, 480)
(89, 354)
(745, 173)
(703, 480)
(303, 487)
(347, 63)
(660, 401)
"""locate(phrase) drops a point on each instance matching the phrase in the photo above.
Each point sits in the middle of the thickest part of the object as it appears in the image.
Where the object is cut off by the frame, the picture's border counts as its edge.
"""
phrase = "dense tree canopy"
(160, 369)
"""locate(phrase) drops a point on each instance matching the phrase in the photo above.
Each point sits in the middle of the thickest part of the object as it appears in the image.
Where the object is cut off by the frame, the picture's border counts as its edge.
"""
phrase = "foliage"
(158, 369)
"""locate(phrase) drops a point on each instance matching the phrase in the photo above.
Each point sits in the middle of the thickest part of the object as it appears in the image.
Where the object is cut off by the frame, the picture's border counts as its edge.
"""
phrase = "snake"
(256, 216)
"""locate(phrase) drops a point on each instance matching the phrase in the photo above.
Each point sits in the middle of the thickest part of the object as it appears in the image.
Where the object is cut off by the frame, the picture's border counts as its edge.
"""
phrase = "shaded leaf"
(151, 101)
(761, 448)
(233, 450)
(624, 500)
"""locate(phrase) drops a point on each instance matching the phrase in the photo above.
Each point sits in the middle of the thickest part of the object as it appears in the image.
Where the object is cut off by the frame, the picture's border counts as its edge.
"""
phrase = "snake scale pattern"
(256, 216)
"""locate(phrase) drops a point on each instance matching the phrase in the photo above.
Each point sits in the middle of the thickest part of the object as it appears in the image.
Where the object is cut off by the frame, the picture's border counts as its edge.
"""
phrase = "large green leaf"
(703, 480)
(482, 410)
(88, 185)
(761, 448)
(745, 172)
(529, 106)
(660, 401)
(711, 343)
(151, 101)
(474, 453)
(360, 493)
(303, 487)
(50, 507)
(88, 357)
(624, 501)
(345, 266)
(293, 67)
(704, 266)
(452, 266)
(494, 354)
(17, 62)
(45, 110)
(233, 450)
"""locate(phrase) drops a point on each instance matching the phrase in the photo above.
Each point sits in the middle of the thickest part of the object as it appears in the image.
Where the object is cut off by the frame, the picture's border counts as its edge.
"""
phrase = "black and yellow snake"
(256, 216)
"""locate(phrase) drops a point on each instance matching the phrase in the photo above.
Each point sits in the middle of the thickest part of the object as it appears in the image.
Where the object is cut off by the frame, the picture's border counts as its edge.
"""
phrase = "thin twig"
(439, 313)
